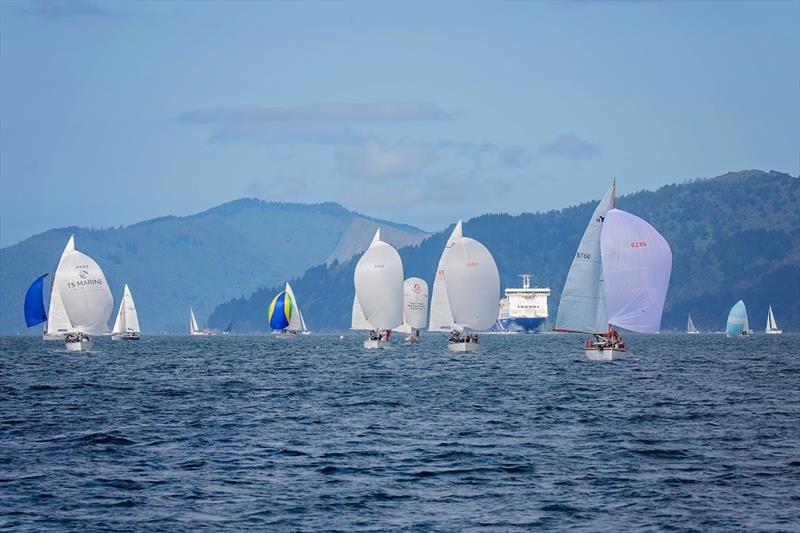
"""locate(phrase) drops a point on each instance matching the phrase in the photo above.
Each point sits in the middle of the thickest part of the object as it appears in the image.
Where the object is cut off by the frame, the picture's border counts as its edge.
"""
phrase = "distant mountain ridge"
(172, 263)
(734, 236)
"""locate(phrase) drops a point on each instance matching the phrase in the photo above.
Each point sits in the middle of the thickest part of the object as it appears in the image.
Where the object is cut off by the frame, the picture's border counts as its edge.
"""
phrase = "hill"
(734, 236)
(172, 263)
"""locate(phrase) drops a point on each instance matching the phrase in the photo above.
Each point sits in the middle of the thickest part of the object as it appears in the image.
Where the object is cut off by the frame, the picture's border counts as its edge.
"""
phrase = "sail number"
(471, 264)
(638, 244)
(583, 255)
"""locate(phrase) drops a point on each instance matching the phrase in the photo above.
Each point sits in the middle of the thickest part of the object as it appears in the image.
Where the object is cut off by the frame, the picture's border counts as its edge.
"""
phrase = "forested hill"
(734, 236)
(172, 263)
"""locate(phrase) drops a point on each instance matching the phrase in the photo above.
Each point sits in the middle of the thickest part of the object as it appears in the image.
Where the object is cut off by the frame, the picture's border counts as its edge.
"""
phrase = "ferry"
(523, 309)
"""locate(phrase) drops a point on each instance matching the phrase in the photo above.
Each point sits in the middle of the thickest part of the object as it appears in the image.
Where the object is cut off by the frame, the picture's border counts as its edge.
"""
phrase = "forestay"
(637, 263)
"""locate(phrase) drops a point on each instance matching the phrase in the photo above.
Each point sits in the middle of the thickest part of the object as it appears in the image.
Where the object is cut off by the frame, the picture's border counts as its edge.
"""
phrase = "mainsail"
(583, 301)
(127, 320)
(57, 320)
(34, 303)
(378, 281)
(84, 293)
(637, 263)
(441, 317)
(192, 322)
(473, 285)
(737, 320)
(415, 305)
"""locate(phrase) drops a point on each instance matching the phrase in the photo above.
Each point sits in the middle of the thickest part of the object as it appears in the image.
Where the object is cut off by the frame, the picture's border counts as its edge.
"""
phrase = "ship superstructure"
(523, 309)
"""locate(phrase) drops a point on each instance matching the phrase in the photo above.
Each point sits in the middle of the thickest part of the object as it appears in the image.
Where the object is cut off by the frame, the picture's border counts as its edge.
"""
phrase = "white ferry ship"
(523, 309)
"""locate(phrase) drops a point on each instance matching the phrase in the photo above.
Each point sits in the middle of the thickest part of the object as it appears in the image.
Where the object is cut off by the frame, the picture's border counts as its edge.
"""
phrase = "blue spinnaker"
(34, 303)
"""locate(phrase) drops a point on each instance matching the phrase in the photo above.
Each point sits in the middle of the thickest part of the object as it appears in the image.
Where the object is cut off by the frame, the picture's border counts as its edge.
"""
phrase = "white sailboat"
(772, 326)
(738, 325)
(378, 281)
(194, 329)
(284, 314)
(619, 277)
(415, 308)
(690, 329)
(126, 326)
(465, 292)
(80, 302)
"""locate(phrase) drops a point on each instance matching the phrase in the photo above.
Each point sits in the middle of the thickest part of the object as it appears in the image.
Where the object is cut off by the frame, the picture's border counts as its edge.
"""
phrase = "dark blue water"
(252, 432)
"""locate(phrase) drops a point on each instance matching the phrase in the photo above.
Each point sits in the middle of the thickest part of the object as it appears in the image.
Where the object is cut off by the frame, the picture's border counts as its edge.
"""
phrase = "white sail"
(57, 320)
(192, 322)
(296, 322)
(441, 317)
(690, 328)
(84, 293)
(415, 305)
(473, 285)
(583, 300)
(358, 321)
(637, 263)
(127, 319)
(378, 281)
(771, 324)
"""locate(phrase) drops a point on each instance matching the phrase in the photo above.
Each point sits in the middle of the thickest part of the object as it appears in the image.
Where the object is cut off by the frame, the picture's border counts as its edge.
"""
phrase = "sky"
(417, 112)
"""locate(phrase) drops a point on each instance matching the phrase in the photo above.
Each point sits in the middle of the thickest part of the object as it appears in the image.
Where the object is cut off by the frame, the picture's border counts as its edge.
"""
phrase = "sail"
(737, 320)
(296, 322)
(192, 322)
(583, 301)
(130, 318)
(771, 324)
(358, 320)
(690, 326)
(441, 318)
(84, 292)
(473, 285)
(57, 319)
(415, 305)
(637, 263)
(34, 302)
(280, 311)
(378, 281)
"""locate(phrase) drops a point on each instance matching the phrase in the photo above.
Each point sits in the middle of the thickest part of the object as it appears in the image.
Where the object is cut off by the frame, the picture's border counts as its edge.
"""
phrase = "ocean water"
(179, 433)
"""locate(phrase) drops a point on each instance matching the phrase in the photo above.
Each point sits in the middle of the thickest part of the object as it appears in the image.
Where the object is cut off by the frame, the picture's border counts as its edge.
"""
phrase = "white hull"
(372, 344)
(692, 332)
(201, 334)
(462, 347)
(281, 335)
(83, 345)
(125, 337)
(774, 332)
(52, 337)
(744, 335)
(603, 354)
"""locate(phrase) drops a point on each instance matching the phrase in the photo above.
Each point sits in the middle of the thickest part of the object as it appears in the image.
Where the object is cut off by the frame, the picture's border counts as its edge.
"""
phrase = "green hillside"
(734, 236)
(172, 263)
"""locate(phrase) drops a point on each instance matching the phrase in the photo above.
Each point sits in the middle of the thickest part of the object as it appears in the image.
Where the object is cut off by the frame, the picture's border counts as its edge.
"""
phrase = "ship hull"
(521, 324)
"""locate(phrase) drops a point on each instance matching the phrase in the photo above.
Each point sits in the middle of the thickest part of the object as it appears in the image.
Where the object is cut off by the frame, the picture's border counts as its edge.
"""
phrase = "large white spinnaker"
(441, 317)
(637, 263)
(378, 282)
(127, 319)
(84, 293)
(415, 305)
(473, 285)
(583, 301)
(58, 323)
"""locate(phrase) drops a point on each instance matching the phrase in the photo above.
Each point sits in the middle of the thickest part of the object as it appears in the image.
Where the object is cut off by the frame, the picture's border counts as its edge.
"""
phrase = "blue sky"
(111, 113)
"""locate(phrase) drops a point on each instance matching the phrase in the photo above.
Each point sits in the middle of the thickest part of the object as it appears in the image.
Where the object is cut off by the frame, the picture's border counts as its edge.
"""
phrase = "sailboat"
(465, 291)
(738, 325)
(284, 315)
(228, 328)
(415, 308)
(772, 326)
(80, 301)
(690, 329)
(194, 329)
(126, 326)
(619, 277)
(378, 302)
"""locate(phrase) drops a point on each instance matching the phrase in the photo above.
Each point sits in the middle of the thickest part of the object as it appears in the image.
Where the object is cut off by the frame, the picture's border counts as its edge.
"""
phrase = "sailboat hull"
(774, 331)
(462, 347)
(603, 354)
(82, 345)
(373, 344)
(693, 333)
(125, 337)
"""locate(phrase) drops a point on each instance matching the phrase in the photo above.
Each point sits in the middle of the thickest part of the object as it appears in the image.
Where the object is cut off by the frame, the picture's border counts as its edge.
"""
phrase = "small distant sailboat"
(415, 308)
(126, 326)
(772, 326)
(378, 302)
(194, 329)
(80, 301)
(619, 277)
(465, 291)
(690, 329)
(285, 317)
(738, 325)
(228, 329)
